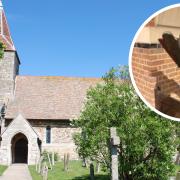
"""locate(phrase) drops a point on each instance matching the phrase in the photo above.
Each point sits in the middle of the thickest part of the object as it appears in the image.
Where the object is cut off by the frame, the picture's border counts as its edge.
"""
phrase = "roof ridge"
(60, 77)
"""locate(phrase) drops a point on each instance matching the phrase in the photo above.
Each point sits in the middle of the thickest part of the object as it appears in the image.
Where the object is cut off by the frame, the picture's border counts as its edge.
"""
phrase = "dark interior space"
(19, 149)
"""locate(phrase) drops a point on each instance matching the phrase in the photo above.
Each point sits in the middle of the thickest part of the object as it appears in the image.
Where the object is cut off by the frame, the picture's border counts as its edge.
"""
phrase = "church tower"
(9, 64)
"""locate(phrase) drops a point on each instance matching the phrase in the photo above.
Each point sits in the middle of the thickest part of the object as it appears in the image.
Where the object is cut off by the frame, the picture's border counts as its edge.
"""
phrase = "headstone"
(92, 171)
(65, 157)
(53, 158)
(115, 141)
(88, 162)
(49, 161)
(45, 171)
(66, 161)
(98, 167)
(39, 165)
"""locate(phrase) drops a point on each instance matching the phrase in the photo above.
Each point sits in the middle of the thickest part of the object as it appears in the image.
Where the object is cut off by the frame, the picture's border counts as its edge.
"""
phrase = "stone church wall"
(61, 138)
(9, 67)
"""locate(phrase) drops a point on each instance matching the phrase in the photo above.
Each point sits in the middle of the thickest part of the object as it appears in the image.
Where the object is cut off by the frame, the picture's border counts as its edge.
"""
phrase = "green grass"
(75, 172)
(2, 169)
(177, 168)
(34, 174)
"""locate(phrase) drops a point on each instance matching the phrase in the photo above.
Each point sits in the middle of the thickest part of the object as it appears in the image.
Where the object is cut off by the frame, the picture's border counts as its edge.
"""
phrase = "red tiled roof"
(5, 36)
(49, 97)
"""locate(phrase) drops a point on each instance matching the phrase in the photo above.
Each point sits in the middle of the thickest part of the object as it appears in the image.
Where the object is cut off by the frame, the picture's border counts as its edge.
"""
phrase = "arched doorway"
(19, 148)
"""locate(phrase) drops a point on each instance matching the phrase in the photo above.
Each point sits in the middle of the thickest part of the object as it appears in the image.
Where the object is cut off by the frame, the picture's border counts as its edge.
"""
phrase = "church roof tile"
(49, 97)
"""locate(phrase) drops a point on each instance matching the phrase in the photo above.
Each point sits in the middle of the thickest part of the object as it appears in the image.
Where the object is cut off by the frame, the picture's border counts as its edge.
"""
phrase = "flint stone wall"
(9, 68)
(61, 139)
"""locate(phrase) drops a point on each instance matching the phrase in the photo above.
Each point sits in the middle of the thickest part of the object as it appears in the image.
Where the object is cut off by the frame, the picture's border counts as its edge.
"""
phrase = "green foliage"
(124, 72)
(2, 48)
(148, 141)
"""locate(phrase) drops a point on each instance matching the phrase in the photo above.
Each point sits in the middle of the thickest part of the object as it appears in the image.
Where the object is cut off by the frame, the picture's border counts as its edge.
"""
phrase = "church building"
(36, 111)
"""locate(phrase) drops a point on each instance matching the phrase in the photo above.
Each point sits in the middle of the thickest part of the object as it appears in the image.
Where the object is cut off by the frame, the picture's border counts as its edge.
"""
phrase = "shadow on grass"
(97, 177)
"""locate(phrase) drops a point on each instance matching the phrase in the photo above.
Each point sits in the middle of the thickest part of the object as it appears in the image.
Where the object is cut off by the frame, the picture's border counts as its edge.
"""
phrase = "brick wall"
(155, 73)
(151, 23)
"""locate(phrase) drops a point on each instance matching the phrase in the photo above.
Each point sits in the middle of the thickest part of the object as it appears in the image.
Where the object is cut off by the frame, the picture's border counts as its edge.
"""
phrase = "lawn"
(2, 169)
(177, 168)
(75, 172)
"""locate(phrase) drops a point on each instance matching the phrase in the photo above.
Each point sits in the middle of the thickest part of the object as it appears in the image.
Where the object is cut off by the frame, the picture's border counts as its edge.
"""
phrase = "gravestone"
(65, 168)
(98, 167)
(45, 171)
(53, 158)
(49, 161)
(40, 163)
(66, 161)
(88, 162)
(115, 141)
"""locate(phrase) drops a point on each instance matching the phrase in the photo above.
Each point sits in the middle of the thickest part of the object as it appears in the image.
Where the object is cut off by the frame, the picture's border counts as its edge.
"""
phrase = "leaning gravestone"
(49, 161)
(115, 141)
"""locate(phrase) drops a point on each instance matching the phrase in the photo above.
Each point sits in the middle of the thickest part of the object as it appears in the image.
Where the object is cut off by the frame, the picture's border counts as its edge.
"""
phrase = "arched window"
(48, 134)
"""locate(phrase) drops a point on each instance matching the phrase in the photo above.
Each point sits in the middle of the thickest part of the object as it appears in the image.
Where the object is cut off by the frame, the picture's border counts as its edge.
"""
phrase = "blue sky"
(76, 37)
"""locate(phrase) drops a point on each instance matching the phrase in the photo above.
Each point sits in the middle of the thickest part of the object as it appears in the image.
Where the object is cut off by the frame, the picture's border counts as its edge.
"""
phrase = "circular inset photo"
(154, 62)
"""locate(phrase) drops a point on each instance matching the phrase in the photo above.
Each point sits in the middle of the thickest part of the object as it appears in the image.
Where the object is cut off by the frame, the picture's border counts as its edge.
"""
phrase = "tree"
(148, 140)
(2, 48)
